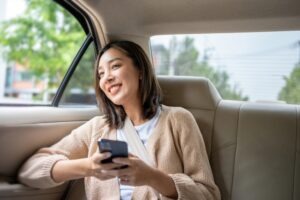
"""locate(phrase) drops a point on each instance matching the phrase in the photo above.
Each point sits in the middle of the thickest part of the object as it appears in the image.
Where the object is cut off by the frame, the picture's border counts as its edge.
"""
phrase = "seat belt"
(135, 143)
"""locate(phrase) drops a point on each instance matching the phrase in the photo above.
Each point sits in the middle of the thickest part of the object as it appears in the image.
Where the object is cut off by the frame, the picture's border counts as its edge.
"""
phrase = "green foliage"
(82, 78)
(44, 39)
(290, 93)
(182, 58)
(80, 88)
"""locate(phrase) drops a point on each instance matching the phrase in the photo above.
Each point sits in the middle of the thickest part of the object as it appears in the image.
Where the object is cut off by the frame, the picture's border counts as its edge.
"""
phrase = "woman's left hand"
(136, 174)
(139, 173)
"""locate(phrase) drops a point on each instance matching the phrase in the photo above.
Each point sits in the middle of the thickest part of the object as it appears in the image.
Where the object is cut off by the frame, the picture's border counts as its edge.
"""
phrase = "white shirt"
(144, 131)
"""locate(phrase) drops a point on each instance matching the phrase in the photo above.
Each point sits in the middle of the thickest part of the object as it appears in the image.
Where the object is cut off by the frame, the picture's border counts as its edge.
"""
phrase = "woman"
(126, 87)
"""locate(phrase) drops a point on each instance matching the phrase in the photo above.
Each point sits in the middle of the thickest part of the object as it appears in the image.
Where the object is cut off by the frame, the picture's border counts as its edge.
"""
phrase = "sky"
(8, 9)
(256, 62)
(14, 7)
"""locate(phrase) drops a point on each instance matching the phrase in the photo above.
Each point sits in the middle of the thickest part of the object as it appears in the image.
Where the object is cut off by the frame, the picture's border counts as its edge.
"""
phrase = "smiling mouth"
(114, 88)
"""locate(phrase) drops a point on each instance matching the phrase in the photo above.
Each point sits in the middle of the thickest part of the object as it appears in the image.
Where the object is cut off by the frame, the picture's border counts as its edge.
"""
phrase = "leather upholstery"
(189, 92)
(297, 163)
(198, 95)
(253, 147)
(224, 145)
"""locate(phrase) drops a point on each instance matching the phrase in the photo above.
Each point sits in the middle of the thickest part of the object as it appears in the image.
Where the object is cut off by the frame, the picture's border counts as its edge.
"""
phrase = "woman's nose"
(109, 77)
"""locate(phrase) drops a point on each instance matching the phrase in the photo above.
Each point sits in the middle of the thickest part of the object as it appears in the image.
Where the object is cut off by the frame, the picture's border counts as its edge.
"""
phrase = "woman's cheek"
(101, 85)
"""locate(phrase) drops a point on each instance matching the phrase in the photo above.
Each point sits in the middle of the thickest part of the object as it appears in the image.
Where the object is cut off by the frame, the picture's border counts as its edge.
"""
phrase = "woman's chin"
(117, 102)
(121, 100)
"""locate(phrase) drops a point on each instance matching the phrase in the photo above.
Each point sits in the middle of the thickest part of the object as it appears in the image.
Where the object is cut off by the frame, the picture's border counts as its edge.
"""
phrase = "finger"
(132, 156)
(101, 156)
(125, 182)
(99, 174)
(110, 166)
(105, 155)
(124, 161)
(118, 172)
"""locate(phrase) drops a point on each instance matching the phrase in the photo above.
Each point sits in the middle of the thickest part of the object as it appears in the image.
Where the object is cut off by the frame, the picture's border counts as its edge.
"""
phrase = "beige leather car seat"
(255, 151)
(253, 147)
(198, 95)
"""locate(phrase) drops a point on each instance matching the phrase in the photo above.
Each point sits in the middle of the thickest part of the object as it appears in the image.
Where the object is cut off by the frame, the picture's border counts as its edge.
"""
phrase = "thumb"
(132, 155)
(98, 157)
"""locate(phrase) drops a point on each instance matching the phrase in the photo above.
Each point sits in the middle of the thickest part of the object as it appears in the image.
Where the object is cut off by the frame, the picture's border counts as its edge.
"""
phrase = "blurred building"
(21, 84)
(2, 62)
(17, 83)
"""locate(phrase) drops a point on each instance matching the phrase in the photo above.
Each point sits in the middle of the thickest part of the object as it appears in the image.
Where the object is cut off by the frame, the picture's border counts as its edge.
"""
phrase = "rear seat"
(254, 151)
(197, 95)
(253, 147)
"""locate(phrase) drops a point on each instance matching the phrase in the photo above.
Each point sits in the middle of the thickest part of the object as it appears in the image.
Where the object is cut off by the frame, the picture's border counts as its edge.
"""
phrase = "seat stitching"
(234, 164)
(295, 163)
(226, 145)
(213, 130)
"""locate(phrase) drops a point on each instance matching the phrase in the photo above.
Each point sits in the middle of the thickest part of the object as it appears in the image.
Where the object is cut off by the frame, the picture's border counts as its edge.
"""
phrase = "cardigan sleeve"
(36, 171)
(196, 182)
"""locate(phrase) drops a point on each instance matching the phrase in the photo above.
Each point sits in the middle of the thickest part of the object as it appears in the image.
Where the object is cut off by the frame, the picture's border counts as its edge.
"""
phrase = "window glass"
(262, 66)
(80, 90)
(38, 41)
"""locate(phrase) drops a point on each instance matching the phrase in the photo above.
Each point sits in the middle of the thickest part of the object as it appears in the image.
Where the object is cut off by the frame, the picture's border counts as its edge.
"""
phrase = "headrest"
(189, 92)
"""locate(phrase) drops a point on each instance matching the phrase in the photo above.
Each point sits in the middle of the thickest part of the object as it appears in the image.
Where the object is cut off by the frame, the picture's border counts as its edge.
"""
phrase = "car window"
(262, 66)
(79, 90)
(38, 41)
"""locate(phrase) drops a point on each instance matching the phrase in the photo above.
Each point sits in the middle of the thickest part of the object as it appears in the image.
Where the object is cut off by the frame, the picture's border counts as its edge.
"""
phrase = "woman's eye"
(101, 74)
(116, 66)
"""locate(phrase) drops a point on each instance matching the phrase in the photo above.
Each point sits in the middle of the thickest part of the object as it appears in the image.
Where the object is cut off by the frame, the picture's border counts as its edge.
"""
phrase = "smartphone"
(115, 147)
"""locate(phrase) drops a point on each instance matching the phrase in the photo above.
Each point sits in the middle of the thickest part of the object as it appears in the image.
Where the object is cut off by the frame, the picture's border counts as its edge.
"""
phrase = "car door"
(31, 122)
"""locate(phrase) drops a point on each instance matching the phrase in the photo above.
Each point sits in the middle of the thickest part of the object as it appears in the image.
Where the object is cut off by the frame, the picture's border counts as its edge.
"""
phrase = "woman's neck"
(135, 114)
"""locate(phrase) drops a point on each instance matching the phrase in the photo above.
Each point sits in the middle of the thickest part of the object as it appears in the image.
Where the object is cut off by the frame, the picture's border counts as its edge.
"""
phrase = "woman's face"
(119, 78)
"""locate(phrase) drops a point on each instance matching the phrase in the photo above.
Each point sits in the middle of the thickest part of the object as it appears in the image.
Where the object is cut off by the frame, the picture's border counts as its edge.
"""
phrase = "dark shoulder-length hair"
(148, 86)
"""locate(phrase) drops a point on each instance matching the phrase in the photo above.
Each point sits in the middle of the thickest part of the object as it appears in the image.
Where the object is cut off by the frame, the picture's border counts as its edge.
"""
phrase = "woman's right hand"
(96, 168)
(65, 170)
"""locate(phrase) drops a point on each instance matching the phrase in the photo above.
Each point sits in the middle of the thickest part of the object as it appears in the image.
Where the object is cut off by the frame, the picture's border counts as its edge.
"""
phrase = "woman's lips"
(114, 89)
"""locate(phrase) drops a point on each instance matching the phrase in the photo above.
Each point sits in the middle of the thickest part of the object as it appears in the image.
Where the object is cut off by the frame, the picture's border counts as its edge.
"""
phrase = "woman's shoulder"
(94, 125)
(176, 111)
(179, 119)
(98, 122)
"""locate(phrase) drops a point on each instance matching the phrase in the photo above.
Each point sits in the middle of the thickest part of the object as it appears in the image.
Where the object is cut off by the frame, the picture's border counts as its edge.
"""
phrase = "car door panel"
(18, 191)
(22, 132)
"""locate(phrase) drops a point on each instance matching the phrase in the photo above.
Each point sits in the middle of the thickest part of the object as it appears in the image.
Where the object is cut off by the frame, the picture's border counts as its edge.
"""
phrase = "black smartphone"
(115, 147)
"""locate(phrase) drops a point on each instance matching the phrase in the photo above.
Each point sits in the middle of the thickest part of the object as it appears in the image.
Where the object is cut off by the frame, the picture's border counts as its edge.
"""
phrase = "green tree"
(80, 88)
(44, 39)
(290, 93)
(182, 58)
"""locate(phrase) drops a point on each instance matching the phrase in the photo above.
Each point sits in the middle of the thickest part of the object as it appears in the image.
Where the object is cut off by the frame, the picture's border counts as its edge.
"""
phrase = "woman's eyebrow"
(110, 61)
(114, 59)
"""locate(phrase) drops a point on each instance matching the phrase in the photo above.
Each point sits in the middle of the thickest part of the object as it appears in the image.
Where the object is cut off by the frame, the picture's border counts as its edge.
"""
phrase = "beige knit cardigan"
(176, 145)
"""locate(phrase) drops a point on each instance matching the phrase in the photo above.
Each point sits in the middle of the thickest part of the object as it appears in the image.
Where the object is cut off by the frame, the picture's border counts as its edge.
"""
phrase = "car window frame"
(88, 41)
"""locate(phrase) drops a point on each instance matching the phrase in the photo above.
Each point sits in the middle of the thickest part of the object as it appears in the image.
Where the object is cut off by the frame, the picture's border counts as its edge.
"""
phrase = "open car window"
(38, 41)
(79, 90)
